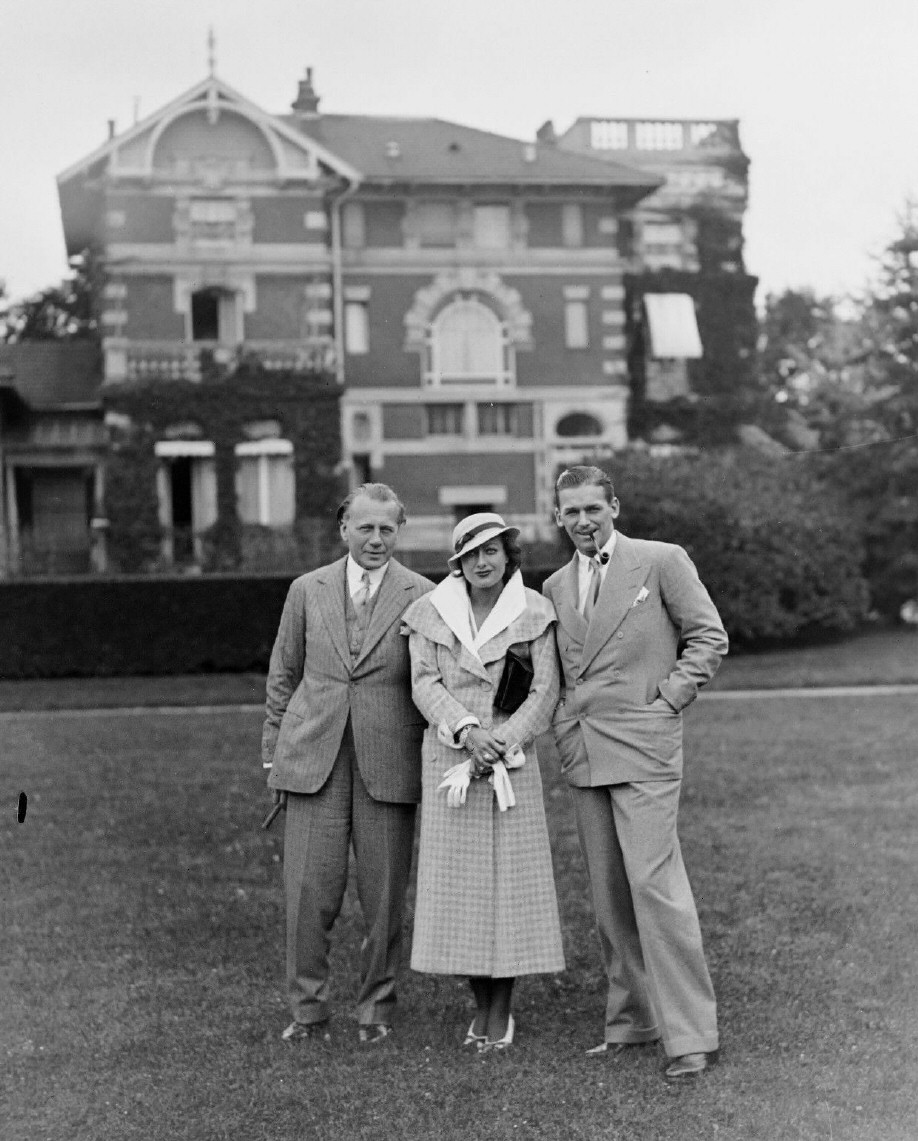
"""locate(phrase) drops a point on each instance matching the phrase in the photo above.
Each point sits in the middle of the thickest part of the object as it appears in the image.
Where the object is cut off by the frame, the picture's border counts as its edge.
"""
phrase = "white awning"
(170, 449)
(268, 447)
(471, 493)
(673, 326)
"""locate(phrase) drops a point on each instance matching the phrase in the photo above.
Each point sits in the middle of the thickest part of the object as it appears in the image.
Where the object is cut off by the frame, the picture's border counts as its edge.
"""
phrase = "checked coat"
(486, 901)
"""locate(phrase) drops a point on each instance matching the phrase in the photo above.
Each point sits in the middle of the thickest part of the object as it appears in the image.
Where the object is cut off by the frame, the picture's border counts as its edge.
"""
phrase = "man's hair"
(380, 492)
(582, 475)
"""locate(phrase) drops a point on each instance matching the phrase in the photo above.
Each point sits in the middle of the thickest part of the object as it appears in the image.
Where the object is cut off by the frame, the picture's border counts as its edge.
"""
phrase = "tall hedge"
(773, 540)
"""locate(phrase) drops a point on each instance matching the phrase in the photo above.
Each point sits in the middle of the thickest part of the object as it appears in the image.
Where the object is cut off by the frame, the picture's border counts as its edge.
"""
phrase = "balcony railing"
(181, 360)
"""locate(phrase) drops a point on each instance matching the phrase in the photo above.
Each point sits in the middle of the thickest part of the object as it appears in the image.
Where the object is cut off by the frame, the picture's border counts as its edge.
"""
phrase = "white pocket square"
(642, 594)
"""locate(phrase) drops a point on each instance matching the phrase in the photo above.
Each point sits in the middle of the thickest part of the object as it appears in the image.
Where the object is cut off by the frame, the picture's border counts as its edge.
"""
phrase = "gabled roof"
(392, 149)
(53, 374)
(211, 94)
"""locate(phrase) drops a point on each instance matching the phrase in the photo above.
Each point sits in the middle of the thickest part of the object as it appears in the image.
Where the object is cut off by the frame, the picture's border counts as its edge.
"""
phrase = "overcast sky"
(826, 92)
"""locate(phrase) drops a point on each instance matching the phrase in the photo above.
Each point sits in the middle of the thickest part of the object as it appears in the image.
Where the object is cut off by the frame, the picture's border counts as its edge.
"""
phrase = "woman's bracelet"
(463, 735)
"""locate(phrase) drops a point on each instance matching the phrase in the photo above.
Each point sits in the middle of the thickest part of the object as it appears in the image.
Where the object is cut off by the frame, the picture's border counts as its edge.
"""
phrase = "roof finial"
(211, 51)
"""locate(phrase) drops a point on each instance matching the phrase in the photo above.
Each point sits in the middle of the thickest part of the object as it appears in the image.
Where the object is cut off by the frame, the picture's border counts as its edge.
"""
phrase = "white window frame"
(203, 489)
(576, 324)
(492, 226)
(501, 375)
(356, 327)
(571, 225)
(428, 208)
(431, 410)
(353, 226)
(264, 451)
(505, 420)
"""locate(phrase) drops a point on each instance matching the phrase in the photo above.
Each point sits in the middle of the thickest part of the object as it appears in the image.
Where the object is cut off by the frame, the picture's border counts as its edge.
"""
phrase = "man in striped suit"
(342, 741)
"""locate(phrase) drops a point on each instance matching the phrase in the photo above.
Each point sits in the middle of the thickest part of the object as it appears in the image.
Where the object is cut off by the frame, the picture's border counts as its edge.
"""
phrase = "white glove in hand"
(503, 790)
(456, 781)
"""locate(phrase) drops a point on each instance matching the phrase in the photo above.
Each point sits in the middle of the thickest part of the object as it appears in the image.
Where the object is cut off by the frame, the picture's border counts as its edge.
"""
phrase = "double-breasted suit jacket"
(654, 638)
(314, 686)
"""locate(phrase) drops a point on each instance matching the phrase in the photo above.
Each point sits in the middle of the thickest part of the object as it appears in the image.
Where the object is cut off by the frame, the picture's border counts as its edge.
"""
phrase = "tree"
(882, 473)
(68, 311)
(812, 371)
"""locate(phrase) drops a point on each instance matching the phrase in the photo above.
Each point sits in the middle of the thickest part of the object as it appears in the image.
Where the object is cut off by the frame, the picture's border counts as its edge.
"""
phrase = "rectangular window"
(445, 419)
(492, 227)
(576, 325)
(353, 230)
(383, 224)
(356, 327)
(436, 223)
(608, 135)
(497, 419)
(265, 482)
(544, 226)
(572, 224)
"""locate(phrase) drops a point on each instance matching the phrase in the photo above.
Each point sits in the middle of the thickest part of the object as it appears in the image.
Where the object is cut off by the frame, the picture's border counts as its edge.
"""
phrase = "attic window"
(454, 147)
(393, 150)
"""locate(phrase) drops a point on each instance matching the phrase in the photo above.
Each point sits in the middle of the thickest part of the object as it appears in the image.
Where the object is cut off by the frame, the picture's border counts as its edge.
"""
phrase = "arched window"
(467, 344)
(578, 424)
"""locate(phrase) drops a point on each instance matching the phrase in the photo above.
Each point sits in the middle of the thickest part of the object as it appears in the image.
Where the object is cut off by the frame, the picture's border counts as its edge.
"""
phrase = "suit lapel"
(331, 608)
(569, 616)
(623, 580)
(391, 602)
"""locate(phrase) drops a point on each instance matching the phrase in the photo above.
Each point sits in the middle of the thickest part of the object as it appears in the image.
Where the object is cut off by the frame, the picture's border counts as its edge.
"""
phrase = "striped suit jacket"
(314, 686)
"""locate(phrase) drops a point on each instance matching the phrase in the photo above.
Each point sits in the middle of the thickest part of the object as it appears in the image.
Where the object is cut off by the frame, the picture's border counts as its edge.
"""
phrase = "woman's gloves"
(456, 780)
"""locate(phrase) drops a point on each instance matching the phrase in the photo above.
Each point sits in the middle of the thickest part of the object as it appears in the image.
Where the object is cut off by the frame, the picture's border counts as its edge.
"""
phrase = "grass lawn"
(141, 949)
(873, 657)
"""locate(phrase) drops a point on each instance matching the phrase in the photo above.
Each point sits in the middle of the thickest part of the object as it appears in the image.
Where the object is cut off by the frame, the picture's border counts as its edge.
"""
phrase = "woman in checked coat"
(486, 905)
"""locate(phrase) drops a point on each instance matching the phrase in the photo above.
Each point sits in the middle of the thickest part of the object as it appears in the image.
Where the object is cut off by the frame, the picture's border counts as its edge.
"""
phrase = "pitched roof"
(393, 149)
(53, 374)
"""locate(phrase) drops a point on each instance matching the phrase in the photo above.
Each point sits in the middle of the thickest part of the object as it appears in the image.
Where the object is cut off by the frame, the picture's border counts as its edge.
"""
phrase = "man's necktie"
(362, 597)
(592, 588)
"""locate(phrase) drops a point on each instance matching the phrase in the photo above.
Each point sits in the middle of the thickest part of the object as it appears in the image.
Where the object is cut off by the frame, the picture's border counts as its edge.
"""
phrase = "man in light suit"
(638, 636)
(342, 740)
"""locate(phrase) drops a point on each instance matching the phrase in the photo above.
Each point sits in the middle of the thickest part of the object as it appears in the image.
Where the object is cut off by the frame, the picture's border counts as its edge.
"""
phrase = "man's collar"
(355, 573)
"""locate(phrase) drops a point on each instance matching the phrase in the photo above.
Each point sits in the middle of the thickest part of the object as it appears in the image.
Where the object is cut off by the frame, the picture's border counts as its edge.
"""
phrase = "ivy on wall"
(723, 381)
(306, 407)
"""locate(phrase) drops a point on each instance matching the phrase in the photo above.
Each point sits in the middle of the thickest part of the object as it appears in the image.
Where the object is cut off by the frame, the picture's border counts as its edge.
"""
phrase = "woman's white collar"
(451, 601)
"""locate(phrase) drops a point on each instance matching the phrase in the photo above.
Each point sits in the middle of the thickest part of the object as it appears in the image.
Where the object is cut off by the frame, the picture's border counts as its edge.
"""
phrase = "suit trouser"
(649, 934)
(319, 830)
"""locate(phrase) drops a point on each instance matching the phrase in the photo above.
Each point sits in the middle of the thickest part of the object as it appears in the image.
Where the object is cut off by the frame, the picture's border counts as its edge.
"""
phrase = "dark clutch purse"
(515, 682)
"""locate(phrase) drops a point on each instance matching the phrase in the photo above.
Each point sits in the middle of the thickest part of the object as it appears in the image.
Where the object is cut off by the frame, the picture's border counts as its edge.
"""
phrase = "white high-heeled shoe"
(500, 1043)
(473, 1039)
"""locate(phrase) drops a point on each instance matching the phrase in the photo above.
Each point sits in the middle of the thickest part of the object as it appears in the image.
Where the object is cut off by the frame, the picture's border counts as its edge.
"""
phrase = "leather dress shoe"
(297, 1031)
(685, 1067)
(374, 1032)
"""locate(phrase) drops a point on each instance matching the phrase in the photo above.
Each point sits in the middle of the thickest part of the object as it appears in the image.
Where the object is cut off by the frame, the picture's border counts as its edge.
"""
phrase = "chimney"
(111, 128)
(546, 133)
(306, 103)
